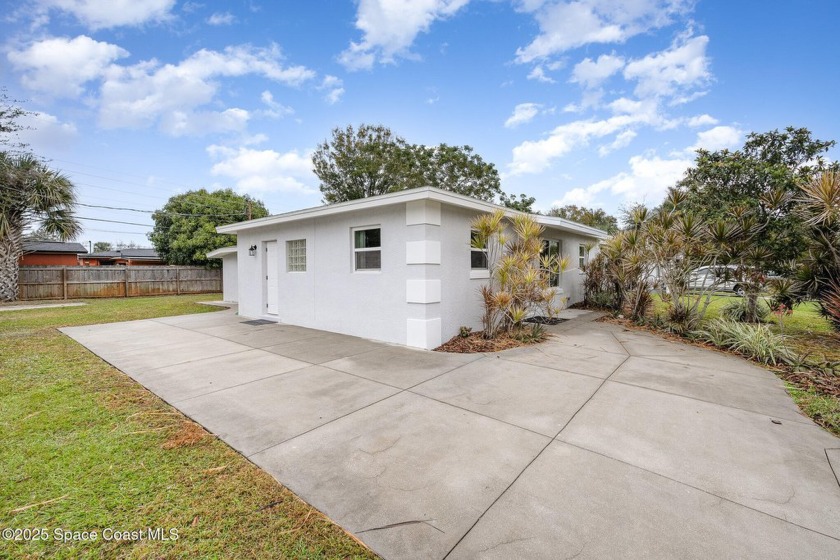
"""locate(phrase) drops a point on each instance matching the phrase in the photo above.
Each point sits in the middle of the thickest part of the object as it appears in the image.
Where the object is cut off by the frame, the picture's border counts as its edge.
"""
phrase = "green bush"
(736, 310)
(755, 341)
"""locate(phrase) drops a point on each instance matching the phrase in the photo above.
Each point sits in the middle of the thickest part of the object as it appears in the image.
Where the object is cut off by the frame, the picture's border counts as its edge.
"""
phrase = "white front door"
(271, 286)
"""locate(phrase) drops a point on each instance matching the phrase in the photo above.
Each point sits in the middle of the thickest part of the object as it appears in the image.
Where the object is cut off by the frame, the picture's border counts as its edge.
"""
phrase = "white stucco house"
(397, 267)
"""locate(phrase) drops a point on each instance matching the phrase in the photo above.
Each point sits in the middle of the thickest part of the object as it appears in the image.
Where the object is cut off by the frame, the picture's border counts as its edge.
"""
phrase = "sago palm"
(31, 195)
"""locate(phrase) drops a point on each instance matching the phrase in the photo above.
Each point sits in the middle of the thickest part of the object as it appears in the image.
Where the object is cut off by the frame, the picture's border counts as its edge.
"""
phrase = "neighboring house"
(230, 291)
(397, 267)
(51, 253)
(124, 257)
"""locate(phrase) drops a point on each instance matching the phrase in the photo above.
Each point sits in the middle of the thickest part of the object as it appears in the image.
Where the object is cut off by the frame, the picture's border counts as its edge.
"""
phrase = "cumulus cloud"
(221, 18)
(61, 67)
(198, 123)
(717, 138)
(647, 180)
(45, 132)
(334, 88)
(522, 113)
(140, 95)
(103, 14)
(389, 28)
(591, 73)
(537, 73)
(701, 120)
(565, 25)
(678, 69)
(275, 109)
(622, 140)
(263, 170)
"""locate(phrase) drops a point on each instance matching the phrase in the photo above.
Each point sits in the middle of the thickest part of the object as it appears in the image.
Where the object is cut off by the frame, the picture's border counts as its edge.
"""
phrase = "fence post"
(178, 280)
(64, 282)
(125, 277)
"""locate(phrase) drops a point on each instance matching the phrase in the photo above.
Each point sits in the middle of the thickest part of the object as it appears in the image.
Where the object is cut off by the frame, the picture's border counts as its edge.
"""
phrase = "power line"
(160, 211)
(114, 222)
(119, 172)
(115, 231)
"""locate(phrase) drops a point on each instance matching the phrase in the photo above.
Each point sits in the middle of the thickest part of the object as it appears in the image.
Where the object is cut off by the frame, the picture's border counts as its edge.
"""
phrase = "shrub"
(738, 310)
(682, 318)
(755, 341)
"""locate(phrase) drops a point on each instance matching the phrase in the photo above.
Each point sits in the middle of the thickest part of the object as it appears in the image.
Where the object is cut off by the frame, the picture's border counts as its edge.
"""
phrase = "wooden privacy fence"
(71, 282)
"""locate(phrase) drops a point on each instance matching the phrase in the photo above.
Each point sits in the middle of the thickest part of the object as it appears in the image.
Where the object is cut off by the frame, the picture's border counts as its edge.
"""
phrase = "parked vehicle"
(723, 278)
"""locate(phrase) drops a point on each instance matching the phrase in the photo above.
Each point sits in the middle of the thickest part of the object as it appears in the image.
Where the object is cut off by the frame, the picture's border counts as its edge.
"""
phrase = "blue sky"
(594, 102)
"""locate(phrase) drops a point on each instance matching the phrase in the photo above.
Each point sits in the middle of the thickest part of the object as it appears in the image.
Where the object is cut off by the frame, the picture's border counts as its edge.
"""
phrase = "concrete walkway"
(601, 443)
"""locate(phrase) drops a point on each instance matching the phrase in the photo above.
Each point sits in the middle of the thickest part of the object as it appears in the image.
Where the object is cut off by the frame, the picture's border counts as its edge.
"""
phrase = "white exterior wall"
(230, 278)
(422, 295)
(330, 295)
(461, 300)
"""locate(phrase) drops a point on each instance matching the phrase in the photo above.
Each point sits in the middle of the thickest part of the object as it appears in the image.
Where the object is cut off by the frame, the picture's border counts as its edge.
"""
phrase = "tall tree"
(762, 178)
(185, 228)
(372, 160)
(102, 246)
(31, 196)
(593, 217)
(10, 115)
(524, 203)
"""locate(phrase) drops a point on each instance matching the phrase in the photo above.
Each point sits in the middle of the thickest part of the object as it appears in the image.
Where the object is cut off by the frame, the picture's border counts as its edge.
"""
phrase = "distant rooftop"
(126, 254)
(53, 247)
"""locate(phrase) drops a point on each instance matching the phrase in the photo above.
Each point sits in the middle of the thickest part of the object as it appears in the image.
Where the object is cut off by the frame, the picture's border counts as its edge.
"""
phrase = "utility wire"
(114, 222)
(161, 211)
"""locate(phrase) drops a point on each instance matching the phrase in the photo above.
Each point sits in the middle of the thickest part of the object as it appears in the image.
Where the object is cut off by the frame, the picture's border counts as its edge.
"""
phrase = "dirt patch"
(188, 434)
(476, 343)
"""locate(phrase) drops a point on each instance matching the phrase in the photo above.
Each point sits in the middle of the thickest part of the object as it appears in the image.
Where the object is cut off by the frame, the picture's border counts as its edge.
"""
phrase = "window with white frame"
(296, 255)
(367, 249)
(478, 252)
(583, 256)
(551, 249)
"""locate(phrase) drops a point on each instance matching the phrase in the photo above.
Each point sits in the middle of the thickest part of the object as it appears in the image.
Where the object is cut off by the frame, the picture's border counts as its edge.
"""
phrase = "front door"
(271, 285)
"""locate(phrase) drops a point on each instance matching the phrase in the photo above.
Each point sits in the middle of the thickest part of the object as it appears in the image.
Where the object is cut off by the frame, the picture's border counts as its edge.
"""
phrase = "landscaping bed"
(85, 448)
(475, 342)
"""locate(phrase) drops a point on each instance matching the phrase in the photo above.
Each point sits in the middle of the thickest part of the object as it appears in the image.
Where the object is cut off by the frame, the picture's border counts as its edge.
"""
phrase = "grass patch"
(824, 409)
(88, 449)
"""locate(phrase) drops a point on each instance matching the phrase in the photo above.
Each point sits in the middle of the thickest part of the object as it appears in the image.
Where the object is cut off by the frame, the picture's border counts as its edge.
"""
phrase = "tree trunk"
(10, 252)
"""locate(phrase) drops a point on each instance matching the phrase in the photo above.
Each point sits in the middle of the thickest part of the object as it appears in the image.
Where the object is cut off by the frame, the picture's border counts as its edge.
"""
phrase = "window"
(551, 250)
(583, 254)
(478, 256)
(296, 255)
(367, 249)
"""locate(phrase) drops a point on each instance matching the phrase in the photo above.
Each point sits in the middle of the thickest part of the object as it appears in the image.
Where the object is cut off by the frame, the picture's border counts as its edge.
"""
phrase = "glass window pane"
(366, 238)
(368, 260)
(478, 259)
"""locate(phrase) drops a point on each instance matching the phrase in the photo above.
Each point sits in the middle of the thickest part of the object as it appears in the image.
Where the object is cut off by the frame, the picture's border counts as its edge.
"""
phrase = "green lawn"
(97, 451)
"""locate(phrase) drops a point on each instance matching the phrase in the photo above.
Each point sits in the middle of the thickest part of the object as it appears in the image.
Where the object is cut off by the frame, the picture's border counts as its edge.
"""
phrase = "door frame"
(266, 272)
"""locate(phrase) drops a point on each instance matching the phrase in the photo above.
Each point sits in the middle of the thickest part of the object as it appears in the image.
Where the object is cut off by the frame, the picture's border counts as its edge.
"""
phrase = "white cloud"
(140, 95)
(622, 140)
(591, 73)
(61, 67)
(103, 14)
(647, 181)
(717, 138)
(536, 156)
(701, 120)
(221, 18)
(389, 28)
(678, 69)
(565, 25)
(522, 114)
(275, 110)
(263, 170)
(334, 87)
(198, 123)
(538, 74)
(43, 132)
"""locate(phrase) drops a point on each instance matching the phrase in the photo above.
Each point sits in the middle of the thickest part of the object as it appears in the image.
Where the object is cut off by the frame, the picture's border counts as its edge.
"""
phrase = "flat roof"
(221, 252)
(409, 195)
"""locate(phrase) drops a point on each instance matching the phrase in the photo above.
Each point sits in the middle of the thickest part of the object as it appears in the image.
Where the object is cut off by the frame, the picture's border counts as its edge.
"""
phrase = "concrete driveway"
(601, 443)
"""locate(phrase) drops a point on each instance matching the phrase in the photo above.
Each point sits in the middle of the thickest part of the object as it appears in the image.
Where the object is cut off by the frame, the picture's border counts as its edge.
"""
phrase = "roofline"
(408, 195)
(221, 252)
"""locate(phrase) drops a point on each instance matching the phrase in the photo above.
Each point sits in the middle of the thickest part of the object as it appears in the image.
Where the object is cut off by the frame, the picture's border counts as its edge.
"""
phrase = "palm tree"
(31, 194)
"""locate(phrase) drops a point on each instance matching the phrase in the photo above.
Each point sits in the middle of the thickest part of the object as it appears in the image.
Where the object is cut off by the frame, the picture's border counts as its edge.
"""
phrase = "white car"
(721, 277)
